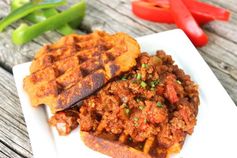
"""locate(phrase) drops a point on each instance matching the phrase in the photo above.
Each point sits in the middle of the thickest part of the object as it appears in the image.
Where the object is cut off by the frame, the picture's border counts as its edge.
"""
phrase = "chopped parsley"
(143, 84)
(138, 100)
(152, 89)
(135, 119)
(139, 76)
(136, 124)
(127, 111)
(124, 78)
(124, 105)
(144, 65)
(159, 104)
(145, 121)
(141, 107)
(154, 83)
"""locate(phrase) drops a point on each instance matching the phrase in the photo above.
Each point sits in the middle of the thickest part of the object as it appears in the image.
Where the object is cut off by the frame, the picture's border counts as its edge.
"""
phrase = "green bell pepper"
(41, 15)
(27, 9)
(25, 33)
(65, 29)
(18, 3)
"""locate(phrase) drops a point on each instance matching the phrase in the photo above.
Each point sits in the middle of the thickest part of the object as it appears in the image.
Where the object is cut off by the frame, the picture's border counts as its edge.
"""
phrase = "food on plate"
(65, 121)
(64, 73)
(145, 112)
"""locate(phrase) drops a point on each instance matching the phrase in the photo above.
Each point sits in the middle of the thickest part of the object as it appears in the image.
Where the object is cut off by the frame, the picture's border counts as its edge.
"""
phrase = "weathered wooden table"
(111, 16)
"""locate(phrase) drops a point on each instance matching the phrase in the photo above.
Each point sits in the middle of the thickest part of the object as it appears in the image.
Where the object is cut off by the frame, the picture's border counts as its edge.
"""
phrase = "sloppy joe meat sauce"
(156, 99)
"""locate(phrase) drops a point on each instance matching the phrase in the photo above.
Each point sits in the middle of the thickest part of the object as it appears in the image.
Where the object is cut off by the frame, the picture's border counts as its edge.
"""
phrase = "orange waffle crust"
(118, 148)
(66, 72)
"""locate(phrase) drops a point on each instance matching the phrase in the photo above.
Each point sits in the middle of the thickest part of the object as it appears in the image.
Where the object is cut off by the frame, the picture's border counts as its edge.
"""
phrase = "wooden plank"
(230, 4)
(227, 81)
(221, 50)
(13, 132)
(117, 16)
(6, 152)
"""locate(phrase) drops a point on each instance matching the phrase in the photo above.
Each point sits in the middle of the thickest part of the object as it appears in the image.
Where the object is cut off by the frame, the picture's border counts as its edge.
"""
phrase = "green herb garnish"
(136, 124)
(143, 84)
(141, 107)
(152, 89)
(139, 76)
(135, 119)
(138, 100)
(145, 121)
(154, 83)
(124, 78)
(158, 104)
(144, 65)
(127, 111)
(124, 105)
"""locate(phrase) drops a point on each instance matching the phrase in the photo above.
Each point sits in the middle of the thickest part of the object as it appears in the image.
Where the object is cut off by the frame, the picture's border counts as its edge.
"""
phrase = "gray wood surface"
(111, 16)
(14, 138)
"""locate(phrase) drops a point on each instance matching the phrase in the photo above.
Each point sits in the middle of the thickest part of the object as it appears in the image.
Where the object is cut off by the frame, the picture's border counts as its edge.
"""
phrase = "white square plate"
(215, 135)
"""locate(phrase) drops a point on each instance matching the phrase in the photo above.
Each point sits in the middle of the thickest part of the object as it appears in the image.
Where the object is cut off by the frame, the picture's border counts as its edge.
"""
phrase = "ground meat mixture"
(154, 101)
(65, 121)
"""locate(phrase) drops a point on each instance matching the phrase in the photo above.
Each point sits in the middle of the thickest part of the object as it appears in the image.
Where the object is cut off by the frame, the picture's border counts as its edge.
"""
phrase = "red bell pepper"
(171, 94)
(159, 3)
(150, 12)
(159, 11)
(203, 12)
(184, 20)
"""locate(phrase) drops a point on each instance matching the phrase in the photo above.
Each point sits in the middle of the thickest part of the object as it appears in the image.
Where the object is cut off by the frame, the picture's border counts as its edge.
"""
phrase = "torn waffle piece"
(70, 70)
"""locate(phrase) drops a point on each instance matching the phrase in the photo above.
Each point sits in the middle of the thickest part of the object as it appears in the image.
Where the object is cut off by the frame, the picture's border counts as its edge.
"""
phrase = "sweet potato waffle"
(122, 147)
(66, 72)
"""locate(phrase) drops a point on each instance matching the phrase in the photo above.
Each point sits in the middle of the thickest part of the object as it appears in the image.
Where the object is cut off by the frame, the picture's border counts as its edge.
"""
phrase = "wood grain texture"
(111, 16)
(6, 152)
(13, 132)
